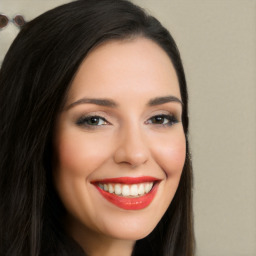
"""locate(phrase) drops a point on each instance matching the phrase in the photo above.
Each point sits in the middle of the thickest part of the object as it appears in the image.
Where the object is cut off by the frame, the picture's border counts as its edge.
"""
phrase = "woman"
(95, 156)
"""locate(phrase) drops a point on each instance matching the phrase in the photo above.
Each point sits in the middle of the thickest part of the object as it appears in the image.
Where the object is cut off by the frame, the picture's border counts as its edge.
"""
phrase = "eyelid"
(84, 121)
(173, 116)
(166, 111)
(172, 119)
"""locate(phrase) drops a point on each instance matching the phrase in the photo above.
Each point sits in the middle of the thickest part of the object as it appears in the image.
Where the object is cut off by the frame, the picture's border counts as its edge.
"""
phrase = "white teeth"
(134, 190)
(118, 189)
(141, 190)
(105, 187)
(111, 189)
(148, 187)
(126, 190)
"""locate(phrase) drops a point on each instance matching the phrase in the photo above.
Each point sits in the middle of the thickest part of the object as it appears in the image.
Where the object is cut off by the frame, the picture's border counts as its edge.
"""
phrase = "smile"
(128, 193)
(134, 190)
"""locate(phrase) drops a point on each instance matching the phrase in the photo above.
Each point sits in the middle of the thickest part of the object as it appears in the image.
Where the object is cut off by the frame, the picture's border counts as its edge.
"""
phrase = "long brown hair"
(34, 80)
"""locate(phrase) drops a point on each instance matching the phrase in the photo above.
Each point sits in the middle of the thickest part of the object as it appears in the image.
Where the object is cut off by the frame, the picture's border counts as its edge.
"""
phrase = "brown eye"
(3, 21)
(19, 20)
(158, 120)
(92, 121)
(165, 120)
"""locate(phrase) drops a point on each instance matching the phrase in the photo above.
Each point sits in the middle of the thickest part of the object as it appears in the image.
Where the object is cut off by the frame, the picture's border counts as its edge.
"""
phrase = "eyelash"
(171, 120)
(84, 121)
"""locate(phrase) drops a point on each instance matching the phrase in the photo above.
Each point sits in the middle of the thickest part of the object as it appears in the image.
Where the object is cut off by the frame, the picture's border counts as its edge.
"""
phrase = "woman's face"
(119, 142)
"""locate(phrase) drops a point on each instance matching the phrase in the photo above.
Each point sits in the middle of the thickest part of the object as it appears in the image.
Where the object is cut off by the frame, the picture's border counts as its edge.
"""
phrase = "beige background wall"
(217, 40)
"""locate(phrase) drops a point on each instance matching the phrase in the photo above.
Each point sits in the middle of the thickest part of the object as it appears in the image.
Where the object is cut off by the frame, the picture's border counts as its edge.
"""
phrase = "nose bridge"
(132, 146)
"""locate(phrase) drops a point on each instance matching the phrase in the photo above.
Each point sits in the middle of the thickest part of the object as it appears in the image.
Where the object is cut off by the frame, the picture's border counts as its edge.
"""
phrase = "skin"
(130, 73)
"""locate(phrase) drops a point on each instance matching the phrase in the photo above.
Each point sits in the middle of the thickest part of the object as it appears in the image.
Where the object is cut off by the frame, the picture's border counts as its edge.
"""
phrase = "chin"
(130, 227)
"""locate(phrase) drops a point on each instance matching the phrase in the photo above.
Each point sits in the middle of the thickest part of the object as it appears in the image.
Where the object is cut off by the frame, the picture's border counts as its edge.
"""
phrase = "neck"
(97, 244)
(109, 247)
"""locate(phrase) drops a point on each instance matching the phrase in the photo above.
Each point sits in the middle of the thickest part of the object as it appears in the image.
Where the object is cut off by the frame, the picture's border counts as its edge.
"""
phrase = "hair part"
(35, 77)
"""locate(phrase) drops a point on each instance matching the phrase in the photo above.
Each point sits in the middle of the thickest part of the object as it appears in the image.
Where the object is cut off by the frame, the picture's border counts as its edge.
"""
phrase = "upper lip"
(127, 180)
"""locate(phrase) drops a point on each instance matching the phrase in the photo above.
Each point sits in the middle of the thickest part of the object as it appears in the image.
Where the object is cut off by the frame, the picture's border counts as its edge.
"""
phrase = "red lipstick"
(128, 203)
(127, 180)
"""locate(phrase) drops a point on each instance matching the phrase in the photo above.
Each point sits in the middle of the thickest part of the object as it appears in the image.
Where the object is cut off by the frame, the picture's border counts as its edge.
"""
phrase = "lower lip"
(136, 203)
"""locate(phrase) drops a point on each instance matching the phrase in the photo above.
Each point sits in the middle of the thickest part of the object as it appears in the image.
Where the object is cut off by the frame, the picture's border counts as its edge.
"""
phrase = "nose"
(132, 148)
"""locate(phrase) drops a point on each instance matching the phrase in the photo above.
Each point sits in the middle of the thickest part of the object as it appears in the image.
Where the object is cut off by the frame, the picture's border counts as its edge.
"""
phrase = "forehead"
(136, 65)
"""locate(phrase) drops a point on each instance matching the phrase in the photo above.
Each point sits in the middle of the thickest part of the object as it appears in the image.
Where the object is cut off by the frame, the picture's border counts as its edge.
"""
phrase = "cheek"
(171, 154)
(78, 154)
(76, 158)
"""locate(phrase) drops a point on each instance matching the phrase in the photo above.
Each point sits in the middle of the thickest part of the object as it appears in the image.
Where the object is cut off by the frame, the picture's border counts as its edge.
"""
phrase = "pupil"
(158, 119)
(94, 120)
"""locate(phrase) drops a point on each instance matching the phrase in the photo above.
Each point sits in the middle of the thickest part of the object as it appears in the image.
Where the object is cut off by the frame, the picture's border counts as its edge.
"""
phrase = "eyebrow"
(163, 100)
(110, 103)
(100, 102)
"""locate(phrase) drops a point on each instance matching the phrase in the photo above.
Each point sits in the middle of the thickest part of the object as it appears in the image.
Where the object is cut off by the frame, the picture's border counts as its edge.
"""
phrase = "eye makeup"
(91, 121)
(162, 120)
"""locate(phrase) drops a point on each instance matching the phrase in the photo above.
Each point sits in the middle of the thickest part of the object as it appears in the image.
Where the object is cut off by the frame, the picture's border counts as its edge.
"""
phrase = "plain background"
(217, 41)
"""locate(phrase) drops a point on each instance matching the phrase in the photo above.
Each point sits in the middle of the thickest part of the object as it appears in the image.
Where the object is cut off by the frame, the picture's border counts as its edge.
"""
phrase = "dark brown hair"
(34, 79)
